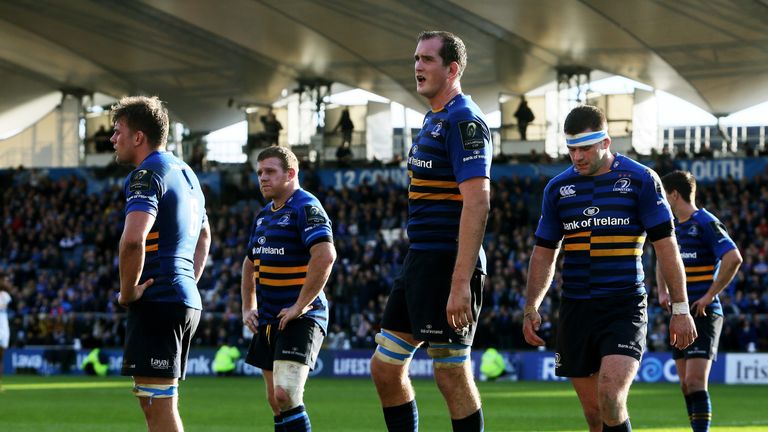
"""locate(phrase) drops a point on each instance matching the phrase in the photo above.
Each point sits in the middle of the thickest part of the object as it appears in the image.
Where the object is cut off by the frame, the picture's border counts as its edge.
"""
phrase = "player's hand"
(531, 324)
(682, 331)
(459, 308)
(664, 301)
(251, 320)
(125, 299)
(699, 307)
(291, 313)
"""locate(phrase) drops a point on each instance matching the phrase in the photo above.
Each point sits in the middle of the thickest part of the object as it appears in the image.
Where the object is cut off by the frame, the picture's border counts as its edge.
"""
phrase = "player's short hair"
(453, 49)
(584, 118)
(286, 157)
(681, 181)
(145, 114)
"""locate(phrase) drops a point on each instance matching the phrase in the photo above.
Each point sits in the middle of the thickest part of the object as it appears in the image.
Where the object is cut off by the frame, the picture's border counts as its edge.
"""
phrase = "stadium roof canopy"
(199, 54)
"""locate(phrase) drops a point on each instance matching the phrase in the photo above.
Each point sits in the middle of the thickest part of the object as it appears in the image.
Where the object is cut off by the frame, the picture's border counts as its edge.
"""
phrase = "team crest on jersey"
(471, 135)
(314, 215)
(567, 191)
(622, 185)
(693, 231)
(140, 180)
(284, 220)
(436, 130)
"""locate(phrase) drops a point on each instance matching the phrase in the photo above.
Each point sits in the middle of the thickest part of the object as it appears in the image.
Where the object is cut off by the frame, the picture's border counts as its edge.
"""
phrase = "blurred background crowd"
(59, 245)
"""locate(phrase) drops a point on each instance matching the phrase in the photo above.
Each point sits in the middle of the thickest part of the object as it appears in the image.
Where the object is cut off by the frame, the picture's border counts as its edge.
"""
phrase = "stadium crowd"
(59, 243)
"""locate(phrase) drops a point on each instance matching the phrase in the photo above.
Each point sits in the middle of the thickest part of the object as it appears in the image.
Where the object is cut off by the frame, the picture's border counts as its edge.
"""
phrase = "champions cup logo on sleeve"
(471, 135)
(586, 138)
(140, 180)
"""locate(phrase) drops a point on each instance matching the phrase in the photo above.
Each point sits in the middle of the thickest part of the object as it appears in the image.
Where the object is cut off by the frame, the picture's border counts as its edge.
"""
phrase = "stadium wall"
(734, 368)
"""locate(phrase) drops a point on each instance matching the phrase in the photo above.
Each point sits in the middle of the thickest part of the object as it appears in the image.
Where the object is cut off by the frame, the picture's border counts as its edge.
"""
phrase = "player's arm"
(201, 249)
(682, 331)
(541, 270)
(322, 256)
(476, 195)
(248, 296)
(661, 288)
(132, 243)
(729, 265)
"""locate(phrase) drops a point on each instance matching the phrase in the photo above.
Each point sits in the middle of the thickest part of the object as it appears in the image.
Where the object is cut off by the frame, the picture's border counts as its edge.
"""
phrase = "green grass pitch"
(238, 404)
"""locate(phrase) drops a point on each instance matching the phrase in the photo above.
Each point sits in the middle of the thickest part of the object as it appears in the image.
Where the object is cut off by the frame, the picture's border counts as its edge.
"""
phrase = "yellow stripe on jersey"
(434, 183)
(283, 270)
(576, 247)
(699, 269)
(153, 235)
(151, 248)
(282, 282)
(703, 278)
(579, 234)
(615, 252)
(618, 239)
(434, 196)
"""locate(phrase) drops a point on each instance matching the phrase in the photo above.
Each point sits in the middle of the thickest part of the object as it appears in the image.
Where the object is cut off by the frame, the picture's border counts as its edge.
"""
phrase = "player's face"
(122, 141)
(431, 74)
(273, 179)
(590, 160)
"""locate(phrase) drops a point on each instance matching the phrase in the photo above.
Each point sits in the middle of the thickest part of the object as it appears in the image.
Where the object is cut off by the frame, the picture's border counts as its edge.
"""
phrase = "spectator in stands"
(705, 152)
(524, 116)
(346, 126)
(272, 128)
(101, 140)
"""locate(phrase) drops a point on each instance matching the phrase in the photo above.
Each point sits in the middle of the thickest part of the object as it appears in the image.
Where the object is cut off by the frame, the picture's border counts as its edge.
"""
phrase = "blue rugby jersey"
(454, 145)
(602, 222)
(167, 188)
(703, 241)
(279, 249)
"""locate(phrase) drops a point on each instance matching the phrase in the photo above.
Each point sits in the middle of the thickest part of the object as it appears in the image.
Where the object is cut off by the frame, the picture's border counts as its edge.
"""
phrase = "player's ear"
(453, 69)
(291, 173)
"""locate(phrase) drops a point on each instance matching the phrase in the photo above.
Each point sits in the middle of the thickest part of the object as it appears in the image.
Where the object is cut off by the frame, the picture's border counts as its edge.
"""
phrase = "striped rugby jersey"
(279, 249)
(167, 188)
(601, 221)
(454, 145)
(703, 241)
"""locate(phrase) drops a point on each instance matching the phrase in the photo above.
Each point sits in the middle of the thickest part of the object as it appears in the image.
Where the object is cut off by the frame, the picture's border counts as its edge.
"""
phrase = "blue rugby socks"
(623, 427)
(402, 418)
(296, 420)
(470, 423)
(700, 410)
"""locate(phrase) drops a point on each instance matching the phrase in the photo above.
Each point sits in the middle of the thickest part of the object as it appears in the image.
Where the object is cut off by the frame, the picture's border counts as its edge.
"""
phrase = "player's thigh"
(616, 374)
(586, 390)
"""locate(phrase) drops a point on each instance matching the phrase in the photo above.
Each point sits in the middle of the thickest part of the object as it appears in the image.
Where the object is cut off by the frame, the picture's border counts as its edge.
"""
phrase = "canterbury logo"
(566, 191)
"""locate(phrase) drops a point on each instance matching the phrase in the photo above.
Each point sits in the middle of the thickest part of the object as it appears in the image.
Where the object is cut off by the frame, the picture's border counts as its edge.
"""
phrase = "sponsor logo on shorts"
(630, 346)
(558, 363)
(294, 351)
(429, 330)
(160, 363)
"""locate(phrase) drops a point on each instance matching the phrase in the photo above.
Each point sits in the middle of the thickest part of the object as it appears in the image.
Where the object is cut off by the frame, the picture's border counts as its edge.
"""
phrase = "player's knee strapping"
(290, 377)
(393, 350)
(153, 391)
(448, 355)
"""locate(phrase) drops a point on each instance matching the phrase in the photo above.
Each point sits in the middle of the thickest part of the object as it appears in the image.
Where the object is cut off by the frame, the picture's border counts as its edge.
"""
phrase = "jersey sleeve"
(716, 236)
(550, 227)
(314, 224)
(143, 191)
(653, 208)
(469, 147)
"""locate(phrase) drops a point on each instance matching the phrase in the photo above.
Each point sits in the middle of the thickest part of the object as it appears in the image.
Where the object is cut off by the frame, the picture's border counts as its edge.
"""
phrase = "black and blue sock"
(402, 418)
(700, 411)
(470, 423)
(296, 420)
